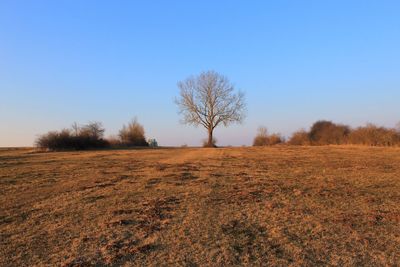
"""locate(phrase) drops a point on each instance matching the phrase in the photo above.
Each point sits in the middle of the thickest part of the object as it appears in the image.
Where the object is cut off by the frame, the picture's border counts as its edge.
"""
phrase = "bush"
(275, 139)
(327, 133)
(133, 134)
(373, 135)
(206, 144)
(263, 139)
(89, 136)
(300, 138)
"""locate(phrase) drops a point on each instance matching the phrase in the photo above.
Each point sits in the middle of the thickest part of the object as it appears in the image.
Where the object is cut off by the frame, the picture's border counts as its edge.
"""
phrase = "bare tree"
(75, 128)
(92, 129)
(210, 100)
(262, 131)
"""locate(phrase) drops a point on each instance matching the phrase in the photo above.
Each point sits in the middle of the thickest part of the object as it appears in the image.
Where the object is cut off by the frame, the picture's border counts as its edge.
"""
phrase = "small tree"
(210, 100)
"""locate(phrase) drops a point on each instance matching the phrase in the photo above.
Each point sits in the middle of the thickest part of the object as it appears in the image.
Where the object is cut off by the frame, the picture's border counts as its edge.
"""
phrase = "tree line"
(210, 100)
(91, 136)
(329, 133)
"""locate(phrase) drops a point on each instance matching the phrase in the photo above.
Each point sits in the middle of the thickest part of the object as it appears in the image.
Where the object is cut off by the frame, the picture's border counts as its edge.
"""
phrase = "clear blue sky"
(297, 62)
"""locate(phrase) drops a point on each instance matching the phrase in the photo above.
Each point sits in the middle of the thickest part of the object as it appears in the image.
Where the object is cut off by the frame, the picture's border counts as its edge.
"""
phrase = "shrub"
(133, 134)
(263, 139)
(276, 139)
(373, 135)
(299, 138)
(327, 133)
(213, 143)
(89, 136)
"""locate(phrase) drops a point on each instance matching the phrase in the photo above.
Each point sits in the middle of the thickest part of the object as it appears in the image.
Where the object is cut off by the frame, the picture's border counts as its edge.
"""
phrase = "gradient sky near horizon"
(109, 61)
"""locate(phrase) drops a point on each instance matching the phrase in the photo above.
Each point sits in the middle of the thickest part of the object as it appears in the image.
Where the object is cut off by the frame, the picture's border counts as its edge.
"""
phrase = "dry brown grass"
(201, 207)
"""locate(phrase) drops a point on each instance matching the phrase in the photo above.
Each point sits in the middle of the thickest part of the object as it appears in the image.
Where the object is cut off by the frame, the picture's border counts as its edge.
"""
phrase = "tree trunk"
(210, 142)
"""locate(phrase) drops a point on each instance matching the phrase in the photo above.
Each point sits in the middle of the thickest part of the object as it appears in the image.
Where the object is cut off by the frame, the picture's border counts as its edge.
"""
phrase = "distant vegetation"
(210, 100)
(265, 139)
(299, 138)
(133, 134)
(330, 133)
(91, 136)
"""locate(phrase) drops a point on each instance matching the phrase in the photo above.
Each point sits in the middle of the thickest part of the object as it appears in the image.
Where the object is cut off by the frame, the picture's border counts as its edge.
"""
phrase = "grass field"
(282, 206)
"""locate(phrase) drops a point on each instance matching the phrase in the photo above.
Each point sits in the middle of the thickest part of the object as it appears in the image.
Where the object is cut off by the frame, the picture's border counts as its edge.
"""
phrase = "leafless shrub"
(276, 139)
(373, 135)
(88, 136)
(93, 130)
(299, 138)
(264, 139)
(327, 132)
(133, 134)
(261, 138)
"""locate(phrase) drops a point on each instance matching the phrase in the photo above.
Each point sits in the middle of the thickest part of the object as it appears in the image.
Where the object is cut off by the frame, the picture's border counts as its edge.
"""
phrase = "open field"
(201, 207)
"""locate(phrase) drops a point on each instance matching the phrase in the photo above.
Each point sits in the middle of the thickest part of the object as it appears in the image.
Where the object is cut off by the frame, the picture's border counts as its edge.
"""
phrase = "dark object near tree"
(206, 142)
(209, 100)
(89, 136)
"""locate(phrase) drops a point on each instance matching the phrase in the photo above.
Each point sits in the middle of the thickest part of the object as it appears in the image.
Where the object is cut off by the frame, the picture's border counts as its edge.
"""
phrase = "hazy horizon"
(71, 61)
